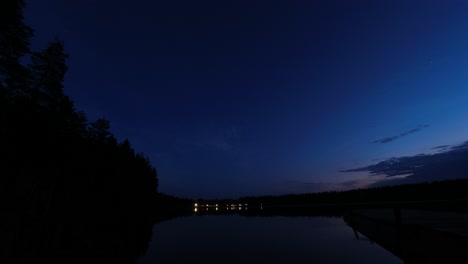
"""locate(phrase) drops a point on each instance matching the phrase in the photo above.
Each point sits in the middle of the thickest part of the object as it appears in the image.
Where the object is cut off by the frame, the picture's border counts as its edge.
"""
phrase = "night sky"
(233, 98)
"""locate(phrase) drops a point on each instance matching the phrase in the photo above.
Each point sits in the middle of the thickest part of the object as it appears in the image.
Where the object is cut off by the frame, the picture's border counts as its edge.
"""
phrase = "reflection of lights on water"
(216, 208)
(196, 209)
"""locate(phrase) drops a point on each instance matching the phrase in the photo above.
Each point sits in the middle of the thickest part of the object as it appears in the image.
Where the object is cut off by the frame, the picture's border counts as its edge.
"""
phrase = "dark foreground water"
(237, 239)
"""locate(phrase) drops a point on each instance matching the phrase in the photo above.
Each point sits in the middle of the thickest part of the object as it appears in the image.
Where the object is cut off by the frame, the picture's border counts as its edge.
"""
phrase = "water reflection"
(257, 236)
(416, 236)
(58, 239)
(237, 239)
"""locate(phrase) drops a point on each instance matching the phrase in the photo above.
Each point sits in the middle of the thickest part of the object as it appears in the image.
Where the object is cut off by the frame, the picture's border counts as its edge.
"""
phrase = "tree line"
(447, 195)
(52, 159)
(417, 193)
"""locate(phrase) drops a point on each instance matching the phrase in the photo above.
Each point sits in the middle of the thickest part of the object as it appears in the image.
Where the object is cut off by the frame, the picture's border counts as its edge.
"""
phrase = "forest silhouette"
(70, 191)
(53, 158)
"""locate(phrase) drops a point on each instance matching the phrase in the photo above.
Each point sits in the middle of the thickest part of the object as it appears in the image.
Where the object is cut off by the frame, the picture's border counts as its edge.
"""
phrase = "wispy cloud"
(345, 185)
(386, 140)
(461, 146)
(448, 164)
(392, 138)
(441, 147)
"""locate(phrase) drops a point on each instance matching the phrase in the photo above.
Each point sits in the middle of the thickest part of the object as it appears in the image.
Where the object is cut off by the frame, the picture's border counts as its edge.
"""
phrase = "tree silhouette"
(48, 70)
(14, 44)
(99, 130)
(52, 159)
(58, 172)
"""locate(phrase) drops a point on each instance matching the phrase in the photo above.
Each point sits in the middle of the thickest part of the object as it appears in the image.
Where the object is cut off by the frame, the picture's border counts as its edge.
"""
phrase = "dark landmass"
(449, 195)
(69, 190)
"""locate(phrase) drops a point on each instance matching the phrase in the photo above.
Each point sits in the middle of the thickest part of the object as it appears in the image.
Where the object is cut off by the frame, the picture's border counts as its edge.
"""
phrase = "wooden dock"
(415, 236)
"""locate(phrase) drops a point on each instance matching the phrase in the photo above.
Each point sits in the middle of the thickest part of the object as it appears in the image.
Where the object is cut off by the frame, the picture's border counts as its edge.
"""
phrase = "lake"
(277, 239)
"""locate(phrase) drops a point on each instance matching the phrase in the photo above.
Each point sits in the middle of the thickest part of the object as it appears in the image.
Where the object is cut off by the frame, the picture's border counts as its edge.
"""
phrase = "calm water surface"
(236, 239)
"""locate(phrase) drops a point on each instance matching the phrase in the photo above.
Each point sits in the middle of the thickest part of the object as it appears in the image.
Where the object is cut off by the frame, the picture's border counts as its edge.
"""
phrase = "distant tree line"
(448, 195)
(168, 207)
(52, 159)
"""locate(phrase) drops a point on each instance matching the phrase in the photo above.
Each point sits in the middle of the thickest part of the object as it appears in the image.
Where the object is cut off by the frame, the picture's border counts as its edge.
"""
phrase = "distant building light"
(196, 204)
(195, 210)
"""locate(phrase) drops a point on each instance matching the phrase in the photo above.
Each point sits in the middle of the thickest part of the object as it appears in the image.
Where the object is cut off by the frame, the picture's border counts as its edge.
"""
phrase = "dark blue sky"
(231, 98)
